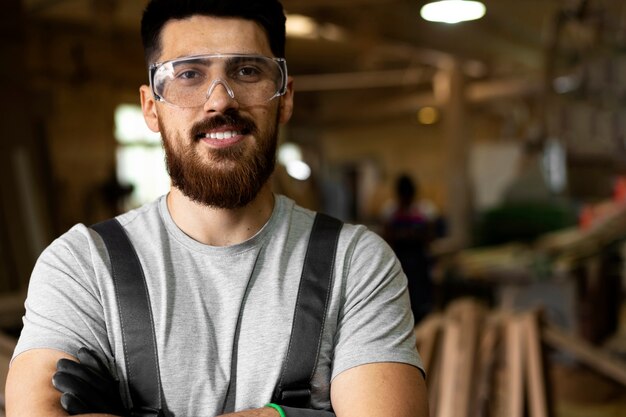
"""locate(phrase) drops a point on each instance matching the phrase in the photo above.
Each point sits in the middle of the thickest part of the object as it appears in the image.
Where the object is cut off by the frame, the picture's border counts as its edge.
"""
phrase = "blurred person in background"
(409, 227)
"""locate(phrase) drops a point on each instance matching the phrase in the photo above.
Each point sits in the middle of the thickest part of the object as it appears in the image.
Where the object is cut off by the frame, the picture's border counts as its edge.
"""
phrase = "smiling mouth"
(227, 134)
(226, 127)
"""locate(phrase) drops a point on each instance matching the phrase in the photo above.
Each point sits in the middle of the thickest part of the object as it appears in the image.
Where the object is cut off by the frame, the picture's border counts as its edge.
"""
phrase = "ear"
(148, 107)
(286, 103)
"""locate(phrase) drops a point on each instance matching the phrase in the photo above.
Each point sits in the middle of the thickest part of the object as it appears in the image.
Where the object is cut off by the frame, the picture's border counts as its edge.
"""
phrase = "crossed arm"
(372, 390)
(29, 390)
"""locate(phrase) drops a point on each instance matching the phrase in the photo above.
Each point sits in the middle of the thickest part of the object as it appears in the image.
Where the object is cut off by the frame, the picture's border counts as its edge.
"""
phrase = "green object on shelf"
(522, 222)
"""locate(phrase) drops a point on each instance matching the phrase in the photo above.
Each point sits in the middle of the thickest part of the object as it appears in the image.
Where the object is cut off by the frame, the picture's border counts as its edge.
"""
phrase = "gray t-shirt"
(222, 315)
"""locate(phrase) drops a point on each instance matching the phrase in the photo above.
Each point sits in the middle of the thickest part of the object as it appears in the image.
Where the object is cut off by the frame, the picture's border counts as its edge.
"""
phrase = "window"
(140, 157)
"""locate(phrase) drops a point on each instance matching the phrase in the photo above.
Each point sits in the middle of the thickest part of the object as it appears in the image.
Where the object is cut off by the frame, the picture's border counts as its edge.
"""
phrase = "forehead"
(210, 35)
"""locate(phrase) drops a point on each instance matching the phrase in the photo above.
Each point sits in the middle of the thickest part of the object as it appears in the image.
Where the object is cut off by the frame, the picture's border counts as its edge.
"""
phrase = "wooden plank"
(449, 370)
(433, 374)
(585, 353)
(425, 329)
(514, 398)
(428, 343)
(470, 315)
(487, 359)
(536, 380)
(426, 334)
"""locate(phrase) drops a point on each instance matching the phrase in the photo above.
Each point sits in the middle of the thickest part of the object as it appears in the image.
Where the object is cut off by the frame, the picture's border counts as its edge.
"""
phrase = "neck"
(220, 227)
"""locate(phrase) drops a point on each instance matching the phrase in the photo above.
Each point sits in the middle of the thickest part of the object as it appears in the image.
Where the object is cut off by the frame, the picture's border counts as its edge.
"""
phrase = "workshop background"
(513, 127)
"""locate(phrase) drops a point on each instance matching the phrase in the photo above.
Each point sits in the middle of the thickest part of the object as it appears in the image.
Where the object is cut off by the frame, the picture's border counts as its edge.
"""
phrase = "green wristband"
(277, 408)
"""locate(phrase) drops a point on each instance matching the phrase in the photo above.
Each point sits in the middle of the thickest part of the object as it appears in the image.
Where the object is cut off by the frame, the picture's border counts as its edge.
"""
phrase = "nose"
(219, 99)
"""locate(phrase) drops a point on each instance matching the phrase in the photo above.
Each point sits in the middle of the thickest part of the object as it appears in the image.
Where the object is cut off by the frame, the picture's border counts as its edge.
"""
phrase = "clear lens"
(188, 82)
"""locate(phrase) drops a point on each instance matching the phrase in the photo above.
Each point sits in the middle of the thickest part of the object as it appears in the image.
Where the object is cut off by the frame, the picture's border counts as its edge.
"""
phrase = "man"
(222, 255)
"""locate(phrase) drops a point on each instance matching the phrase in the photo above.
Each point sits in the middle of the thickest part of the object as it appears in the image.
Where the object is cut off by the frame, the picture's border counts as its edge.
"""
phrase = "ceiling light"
(428, 115)
(301, 26)
(453, 11)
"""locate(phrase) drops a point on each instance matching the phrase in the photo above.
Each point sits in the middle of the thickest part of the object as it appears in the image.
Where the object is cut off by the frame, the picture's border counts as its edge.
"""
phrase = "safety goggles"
(190, 81)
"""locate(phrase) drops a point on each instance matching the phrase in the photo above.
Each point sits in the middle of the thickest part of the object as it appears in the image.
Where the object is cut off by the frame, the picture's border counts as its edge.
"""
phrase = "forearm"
(96, 415)
(289, 412)
(257, 412)
(307, 412)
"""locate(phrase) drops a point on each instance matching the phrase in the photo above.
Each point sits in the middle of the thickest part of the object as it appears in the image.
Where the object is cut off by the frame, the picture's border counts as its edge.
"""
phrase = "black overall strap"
(294, 387)
(135, 313)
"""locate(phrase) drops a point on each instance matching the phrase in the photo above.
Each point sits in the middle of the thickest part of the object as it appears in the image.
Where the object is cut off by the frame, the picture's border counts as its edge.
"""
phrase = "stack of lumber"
(491, 363)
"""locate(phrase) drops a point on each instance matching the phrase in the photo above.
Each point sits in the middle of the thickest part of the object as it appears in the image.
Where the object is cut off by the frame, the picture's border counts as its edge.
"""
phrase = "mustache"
(229, 118)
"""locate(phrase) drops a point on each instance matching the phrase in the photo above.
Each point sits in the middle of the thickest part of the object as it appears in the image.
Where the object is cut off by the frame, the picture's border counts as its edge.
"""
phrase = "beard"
(231, 177)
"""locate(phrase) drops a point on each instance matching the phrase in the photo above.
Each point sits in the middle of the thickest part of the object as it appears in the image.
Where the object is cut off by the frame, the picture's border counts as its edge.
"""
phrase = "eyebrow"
(225, 55)
(209, 58)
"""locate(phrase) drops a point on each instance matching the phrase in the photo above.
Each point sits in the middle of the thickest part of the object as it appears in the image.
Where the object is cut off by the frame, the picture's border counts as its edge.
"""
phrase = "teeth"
(222, 135)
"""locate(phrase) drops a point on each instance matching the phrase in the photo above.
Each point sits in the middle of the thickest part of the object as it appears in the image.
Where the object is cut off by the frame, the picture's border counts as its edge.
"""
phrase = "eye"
(248, 73)
(188, 74)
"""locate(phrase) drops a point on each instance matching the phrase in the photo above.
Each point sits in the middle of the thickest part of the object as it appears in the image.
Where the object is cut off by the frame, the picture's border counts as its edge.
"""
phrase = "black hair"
(267, 13)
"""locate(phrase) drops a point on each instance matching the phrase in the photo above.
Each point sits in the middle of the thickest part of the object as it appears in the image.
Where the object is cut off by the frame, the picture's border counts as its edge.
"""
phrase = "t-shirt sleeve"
(375, 323)
(63, 306)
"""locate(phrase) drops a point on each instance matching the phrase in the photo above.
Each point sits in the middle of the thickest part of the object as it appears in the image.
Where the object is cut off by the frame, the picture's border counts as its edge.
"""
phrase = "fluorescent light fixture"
(453, 11)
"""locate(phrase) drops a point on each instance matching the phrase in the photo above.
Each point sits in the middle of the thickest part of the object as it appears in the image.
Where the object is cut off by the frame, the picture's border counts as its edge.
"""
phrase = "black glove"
(306, 412)
(88, 386)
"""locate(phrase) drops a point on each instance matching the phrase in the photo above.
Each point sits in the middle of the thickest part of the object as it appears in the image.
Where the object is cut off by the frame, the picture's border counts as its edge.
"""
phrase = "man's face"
(222, 153)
